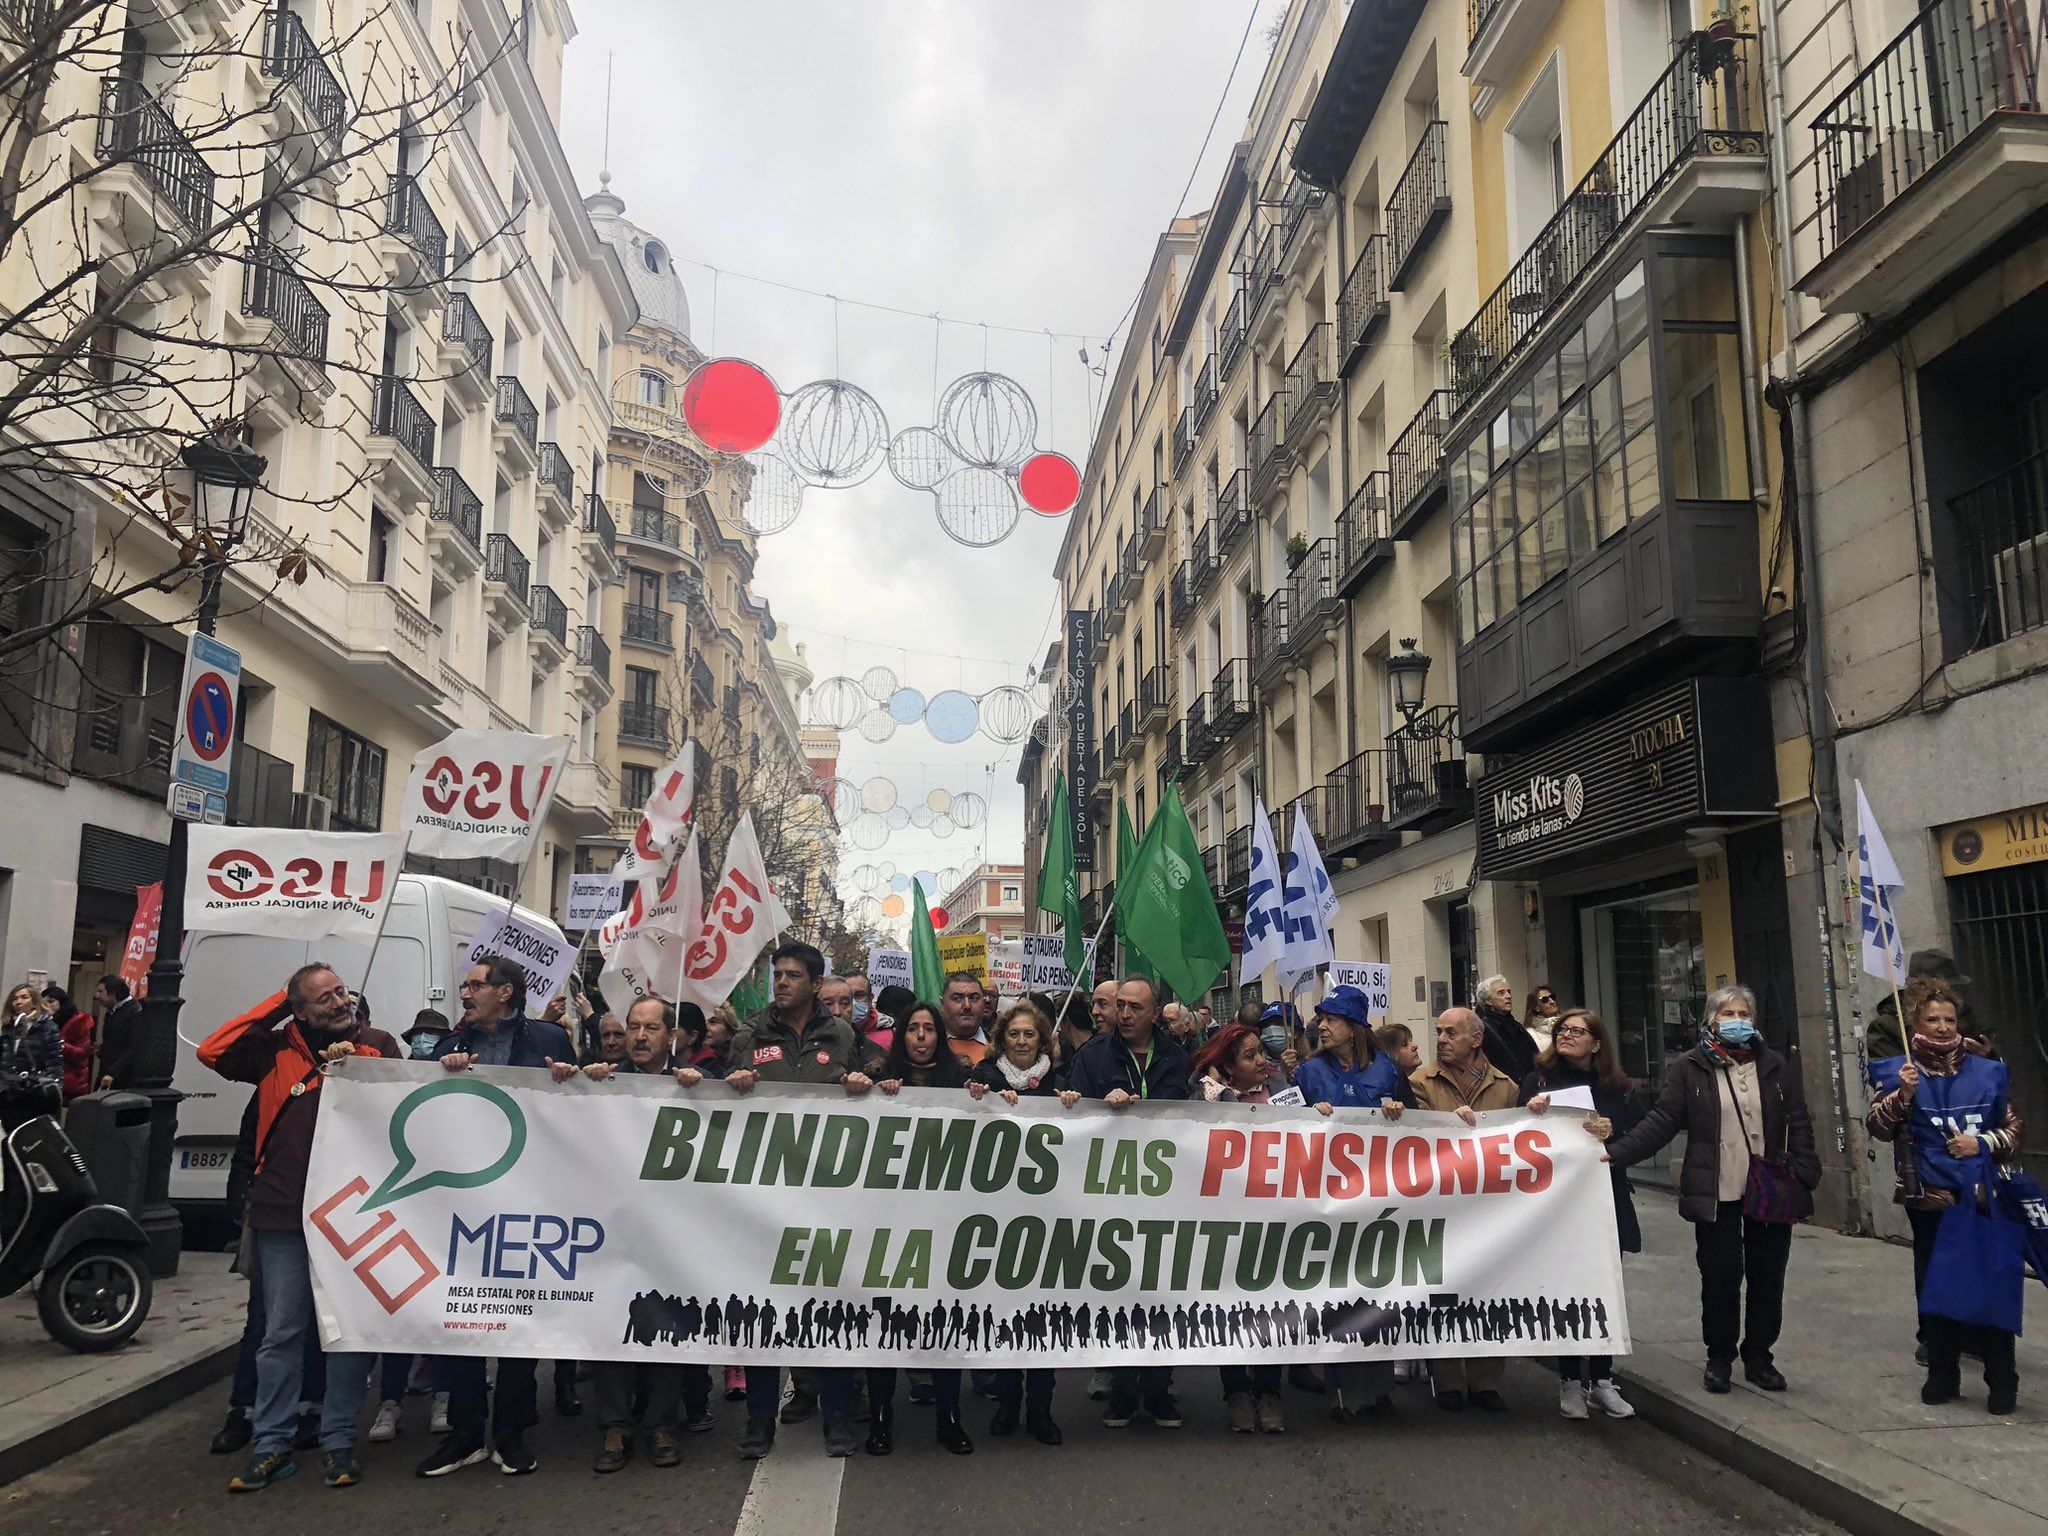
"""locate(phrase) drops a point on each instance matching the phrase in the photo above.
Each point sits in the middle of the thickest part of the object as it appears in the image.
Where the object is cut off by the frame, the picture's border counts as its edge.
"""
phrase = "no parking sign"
(203, 760)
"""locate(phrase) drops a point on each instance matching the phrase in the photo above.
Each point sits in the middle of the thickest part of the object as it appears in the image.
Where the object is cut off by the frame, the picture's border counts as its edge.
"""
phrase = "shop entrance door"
(1642, 968)
(2000, 918)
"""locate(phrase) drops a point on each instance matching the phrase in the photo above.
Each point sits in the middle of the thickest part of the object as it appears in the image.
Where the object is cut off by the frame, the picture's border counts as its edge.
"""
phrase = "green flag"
(751, 995)
(1171, 911)
(1058, 891)
(927, 974)
(1126, 865)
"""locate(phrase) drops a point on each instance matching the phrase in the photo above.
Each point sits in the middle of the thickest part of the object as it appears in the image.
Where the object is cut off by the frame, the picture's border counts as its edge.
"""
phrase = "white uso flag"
(741, 918)
(643, 946)
(1877, 897)
(668, 814)
(1265, 930)
(482, 794)
(290, 884)
(1302, 912)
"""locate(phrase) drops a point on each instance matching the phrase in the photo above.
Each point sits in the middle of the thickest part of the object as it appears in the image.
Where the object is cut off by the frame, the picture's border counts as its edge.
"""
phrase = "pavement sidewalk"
(1851, 1439)
(53, 1402)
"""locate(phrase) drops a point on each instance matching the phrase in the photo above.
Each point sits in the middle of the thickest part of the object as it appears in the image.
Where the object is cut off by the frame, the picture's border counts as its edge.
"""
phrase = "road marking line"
(792, 1490)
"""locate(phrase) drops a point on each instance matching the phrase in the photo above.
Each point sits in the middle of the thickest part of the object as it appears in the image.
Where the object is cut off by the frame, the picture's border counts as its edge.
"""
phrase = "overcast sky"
(1011, 161)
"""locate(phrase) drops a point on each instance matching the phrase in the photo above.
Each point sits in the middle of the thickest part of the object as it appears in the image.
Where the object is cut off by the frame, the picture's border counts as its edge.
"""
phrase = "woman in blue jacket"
(1349, 1070)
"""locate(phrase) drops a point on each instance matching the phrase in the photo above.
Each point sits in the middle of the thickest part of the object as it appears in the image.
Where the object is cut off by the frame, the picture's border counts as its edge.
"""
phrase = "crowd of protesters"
(1746, 1176)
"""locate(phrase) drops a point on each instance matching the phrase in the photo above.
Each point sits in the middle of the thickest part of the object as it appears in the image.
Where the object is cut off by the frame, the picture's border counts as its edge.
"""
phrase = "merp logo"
(235, 874)
(404, 1178)
(484, 789)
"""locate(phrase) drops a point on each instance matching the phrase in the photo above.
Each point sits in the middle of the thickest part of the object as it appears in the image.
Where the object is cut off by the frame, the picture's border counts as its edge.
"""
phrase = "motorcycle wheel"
(95, 1297)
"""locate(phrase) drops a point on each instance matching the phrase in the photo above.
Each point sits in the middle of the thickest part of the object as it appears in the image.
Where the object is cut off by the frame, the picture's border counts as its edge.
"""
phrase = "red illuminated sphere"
(1049, 484)
(938, 915)
(731, 405)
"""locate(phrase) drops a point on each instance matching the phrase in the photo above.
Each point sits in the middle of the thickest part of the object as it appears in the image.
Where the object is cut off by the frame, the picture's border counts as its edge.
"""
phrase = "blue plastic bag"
(2020, 1193)
(1978, 1273)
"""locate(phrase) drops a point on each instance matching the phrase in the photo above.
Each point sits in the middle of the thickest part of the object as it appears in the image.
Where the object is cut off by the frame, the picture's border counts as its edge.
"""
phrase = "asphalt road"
(1418, 1471)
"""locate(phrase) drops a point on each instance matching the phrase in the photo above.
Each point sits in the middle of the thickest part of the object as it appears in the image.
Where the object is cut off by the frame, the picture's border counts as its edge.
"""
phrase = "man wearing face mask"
(280, 1045)
(1276, 1037)
(1737, 1100)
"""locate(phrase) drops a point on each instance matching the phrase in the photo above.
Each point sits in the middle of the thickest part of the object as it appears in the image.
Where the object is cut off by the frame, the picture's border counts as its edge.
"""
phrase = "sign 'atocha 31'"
(1696, 752)
(497, 1212)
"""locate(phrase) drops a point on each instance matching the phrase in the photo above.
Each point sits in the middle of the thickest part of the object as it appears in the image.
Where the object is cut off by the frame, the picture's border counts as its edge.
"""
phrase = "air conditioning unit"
(312, 813)
(2022, 585)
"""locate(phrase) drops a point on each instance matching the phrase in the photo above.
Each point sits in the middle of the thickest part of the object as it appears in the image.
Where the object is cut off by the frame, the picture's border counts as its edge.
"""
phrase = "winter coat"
(76, 1037)
(117, 1042)
(1105, 1063)
(535, 1042)
(824, 1051)
(32, 1048)
(1623, 1108)
(1690, 1101)
(1508, 1045)
(991, 1073)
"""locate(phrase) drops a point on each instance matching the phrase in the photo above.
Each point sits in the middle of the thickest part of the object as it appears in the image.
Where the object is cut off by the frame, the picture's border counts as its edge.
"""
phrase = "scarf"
(1718, 1051)
(1941, 1057)
(1024, 1079)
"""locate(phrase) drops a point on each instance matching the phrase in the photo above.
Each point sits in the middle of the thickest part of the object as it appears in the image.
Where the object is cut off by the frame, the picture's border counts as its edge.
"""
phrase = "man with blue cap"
(1348, 1069)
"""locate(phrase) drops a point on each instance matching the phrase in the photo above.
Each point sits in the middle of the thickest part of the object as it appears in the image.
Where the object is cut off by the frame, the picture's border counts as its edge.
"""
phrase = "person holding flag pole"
(1059, 893)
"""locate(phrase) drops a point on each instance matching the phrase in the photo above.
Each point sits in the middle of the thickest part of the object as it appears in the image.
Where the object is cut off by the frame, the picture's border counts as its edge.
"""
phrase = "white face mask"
(861, 1010)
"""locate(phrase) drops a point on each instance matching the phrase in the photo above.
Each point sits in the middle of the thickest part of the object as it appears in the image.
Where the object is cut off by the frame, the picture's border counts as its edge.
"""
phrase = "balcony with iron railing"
(703, 687)
(1148, 539)
(645, 725)
(556, 475)
(1207, 390)
(135, 129)
(294, 60)
(550, 613)
(647, 624)
(1173, 763)
(1266, 278)
(507, 567)
(1237, 861)
(413, 221)
(1101, 628)
(1129, 739)
(1365, 533)
(396, 413)
(597, 522)
(1309, 804)
(1230, 698)
(1230, 336)
(1212, 867)
(1949, 111)
(1184, 440)
(1183, 603)
(456, 505)
(515, 410)
(1477, 14)
(1362, 305)
(1420, 203)
(1202, 557)
(729, 705)
(1269, 635)
(1112, 754)
(1426, 779)
(1155, 696)
(463, 329)
(1700, 107)
(1196, 730)
(1355, 805)
(1415, 463)
(1233, 514)
(1311, 386)
(1269, 445)
(593, 654)
(651, 525)
(1312, 594)
(1998, 586)
(273, 290)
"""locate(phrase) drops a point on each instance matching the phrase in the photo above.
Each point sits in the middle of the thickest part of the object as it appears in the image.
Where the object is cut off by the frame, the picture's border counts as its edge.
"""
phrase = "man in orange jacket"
(280, 1045)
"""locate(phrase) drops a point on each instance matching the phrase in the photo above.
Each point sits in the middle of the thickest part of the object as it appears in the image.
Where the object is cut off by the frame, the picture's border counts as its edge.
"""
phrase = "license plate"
(201, 1158)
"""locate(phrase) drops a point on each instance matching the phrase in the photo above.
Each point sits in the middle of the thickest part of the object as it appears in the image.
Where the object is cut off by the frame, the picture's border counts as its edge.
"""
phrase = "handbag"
(1771, 1193)
(1977, 1272)
(2019, 1193)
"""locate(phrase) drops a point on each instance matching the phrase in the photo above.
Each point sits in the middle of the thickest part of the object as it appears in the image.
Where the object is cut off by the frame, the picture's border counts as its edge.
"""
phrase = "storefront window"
(1642, 960)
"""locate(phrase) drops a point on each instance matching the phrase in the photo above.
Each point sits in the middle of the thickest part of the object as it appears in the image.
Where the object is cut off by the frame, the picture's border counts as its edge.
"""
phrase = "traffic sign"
(206, 726)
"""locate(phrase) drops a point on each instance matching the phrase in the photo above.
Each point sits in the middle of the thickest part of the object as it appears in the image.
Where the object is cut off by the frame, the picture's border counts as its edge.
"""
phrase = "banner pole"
(1087, 961)
(378, 937)
(1891, 935)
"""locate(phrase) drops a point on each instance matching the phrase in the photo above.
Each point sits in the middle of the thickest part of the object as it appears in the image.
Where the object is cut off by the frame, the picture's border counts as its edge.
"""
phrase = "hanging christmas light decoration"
(775, 496)
(968, 809)
(834, 434)
(878, 683)
(988, 420)
(731, 405)
(1006, 713)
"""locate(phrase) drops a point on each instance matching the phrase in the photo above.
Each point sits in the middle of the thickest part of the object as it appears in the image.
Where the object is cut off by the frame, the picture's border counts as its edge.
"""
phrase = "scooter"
(93, 1258)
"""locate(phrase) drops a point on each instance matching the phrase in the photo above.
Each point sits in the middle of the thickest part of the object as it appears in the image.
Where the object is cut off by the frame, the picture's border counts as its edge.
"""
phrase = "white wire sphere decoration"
(869, 832)
(952, 716)
(867, 879)
(978, 507)
(878, 795)
(845, 801)
(920, 458)
(886, 868)
(833, 433)
(878, 683)
(838, 702)
(969, 809)
(1041, 730)
(921, 816)
(942, 826)
(940, 800)
(988, 420)
(1006, 713)
(775, 496)
(877, 726)
(899, 817)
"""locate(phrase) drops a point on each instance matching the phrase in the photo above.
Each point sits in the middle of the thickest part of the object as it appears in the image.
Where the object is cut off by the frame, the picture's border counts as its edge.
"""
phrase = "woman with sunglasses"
(1542, 1016)
(1581, 1055)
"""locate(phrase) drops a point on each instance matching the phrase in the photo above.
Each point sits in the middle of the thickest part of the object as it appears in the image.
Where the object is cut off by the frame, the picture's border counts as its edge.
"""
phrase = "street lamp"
(1409, 670)
(225, 473)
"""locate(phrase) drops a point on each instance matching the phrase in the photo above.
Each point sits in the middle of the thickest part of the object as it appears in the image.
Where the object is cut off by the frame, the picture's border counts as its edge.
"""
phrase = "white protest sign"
(888, 968)
(482, 794)
(1006, 966)
(542, 953)
(1044, 963)
(290, 884)
(1375, 981)
(592, 899)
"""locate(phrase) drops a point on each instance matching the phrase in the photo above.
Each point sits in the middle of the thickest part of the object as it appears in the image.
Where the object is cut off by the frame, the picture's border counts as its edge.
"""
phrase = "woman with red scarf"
(1953, 1111)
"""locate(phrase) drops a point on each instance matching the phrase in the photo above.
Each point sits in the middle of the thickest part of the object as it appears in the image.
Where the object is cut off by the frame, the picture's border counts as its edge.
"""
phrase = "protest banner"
(964, 952)
(592, 899)
(1045, 963)
(140, 951)
(541, 952)
(481, 794)
(290, 884)
(1005, 967)
(496, 1212)
(1375, 981)
(888, 967)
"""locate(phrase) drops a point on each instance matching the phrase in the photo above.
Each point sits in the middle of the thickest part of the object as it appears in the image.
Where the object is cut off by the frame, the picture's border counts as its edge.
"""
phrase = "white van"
(431, 922)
